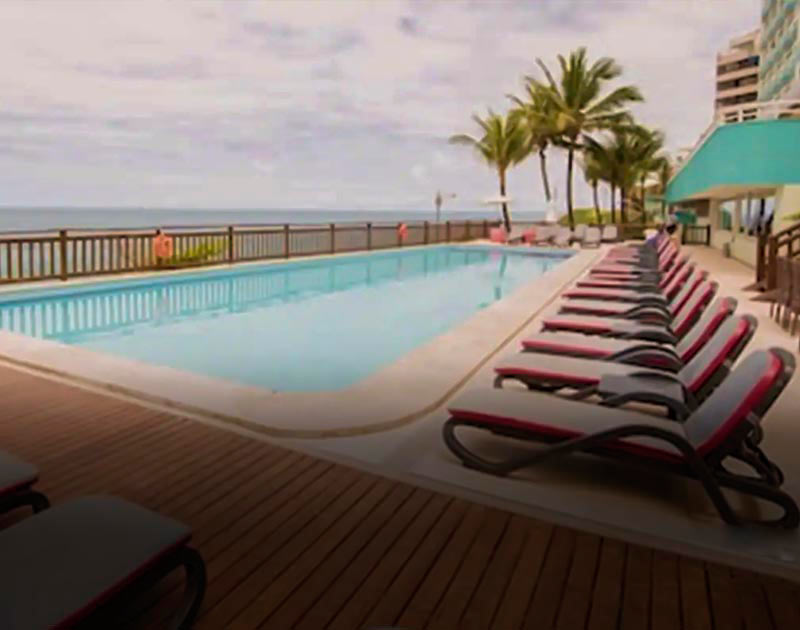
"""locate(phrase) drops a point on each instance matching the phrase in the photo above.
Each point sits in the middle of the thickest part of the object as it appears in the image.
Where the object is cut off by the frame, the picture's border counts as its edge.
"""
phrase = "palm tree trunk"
(622, 214)
(663, 208)
(545, 179)
(644, 213)
(597, 204)
(613, 203)
(506, 215)
(570, 165)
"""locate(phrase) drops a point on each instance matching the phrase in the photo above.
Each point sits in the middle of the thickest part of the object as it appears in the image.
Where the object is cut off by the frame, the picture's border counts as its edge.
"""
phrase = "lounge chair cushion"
(59, 565)
(581, 345)
(597, 325)
(557, 418)
(577, 372)
(606, 308)
(614, 295)
(545, 416)
(15, 474)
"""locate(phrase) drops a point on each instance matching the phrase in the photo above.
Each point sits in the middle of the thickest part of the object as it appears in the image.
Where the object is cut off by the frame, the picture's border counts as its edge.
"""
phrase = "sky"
(336, 104)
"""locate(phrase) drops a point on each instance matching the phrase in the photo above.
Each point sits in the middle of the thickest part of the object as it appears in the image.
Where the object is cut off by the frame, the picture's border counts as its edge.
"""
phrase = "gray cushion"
(608, 325)
(743, 390)
(560, 369)
(577, 344)
(552, 416)
(61, 563)
(608, 308)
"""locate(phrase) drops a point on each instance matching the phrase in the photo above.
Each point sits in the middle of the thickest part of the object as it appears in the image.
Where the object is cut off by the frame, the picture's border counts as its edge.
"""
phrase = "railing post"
(62, 240)
(369, 236)
(447, 231)
(426, 233)
(333, 238)
(286, 240)
(708, 236)
(230, 243)
(772, 263)
(761, 251)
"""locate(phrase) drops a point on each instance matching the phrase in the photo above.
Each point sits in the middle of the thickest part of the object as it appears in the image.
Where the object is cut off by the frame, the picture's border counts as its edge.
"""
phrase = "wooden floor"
(295, 542)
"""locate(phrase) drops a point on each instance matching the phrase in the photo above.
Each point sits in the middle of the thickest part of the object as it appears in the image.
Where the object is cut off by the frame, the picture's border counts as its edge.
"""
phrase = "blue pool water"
(308, 325)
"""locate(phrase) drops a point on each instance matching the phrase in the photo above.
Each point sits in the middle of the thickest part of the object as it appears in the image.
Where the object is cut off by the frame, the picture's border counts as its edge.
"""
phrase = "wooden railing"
(73, 253)
(785, 243)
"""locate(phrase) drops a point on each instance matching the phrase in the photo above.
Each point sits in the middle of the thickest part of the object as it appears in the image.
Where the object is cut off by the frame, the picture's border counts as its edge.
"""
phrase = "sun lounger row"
(67, 564)
(559, 236)
(655, 336)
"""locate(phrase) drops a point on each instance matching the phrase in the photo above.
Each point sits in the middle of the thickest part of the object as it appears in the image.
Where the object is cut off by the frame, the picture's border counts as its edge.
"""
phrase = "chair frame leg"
(712, 478)
(30, 498)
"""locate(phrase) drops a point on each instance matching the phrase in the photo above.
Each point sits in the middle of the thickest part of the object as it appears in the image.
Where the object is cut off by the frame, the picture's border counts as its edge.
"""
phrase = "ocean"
(49, 219)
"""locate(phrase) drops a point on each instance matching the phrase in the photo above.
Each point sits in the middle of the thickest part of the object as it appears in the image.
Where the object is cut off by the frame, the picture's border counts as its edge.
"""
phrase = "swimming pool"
(311, 325)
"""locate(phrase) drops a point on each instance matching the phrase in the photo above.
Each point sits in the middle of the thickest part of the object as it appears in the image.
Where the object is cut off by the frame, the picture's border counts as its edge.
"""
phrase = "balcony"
(738, 90)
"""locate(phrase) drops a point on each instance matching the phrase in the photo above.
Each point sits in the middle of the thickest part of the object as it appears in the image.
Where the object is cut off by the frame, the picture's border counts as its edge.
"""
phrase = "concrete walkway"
(599, 496)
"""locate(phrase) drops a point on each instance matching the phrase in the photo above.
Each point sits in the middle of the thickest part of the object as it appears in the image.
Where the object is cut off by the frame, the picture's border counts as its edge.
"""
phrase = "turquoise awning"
(738, 157)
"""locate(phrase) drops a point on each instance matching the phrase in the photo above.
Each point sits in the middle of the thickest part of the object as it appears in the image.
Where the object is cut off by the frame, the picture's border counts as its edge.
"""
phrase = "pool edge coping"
(34, 361)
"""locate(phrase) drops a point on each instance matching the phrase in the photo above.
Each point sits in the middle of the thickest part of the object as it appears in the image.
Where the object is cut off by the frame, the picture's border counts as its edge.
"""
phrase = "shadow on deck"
(296, 542)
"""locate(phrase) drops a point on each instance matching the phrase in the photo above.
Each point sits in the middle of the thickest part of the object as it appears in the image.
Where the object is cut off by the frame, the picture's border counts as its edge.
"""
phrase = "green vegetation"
(578, 112)
(586, 216)
(202, 253)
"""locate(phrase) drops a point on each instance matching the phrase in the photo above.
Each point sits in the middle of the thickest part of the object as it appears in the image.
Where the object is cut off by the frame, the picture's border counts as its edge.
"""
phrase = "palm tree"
(600, 158)
(503, 144)
(593, 173)
(536, 114)
(648, 160)
(634, 152)
(664, 173)
(578, 105)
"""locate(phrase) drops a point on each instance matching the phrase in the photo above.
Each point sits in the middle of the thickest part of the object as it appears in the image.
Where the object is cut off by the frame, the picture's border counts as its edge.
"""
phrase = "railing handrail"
(66, 253)
(795, 227)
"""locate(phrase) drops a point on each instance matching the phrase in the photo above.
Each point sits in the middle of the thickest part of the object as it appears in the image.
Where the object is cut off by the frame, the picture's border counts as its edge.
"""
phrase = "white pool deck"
(588, 493)
(391, 424)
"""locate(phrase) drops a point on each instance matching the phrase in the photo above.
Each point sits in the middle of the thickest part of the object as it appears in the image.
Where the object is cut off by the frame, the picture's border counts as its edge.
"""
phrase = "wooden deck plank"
(374, 587)
(784, 602)
(462, 588)
(543, 611)
(420, 608)
(314, 574)
(525, 576)
(482, 606)
(408, 580)
(293, 562)
(725, 605)
(607, 596)
(754, 604)
(291, 541)
(577, 597)
(665, 603)
(695, 609)
(636, 593)
(360, 570)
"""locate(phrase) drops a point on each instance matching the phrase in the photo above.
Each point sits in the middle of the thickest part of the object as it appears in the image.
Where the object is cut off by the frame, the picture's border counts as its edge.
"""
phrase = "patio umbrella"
(498, 200)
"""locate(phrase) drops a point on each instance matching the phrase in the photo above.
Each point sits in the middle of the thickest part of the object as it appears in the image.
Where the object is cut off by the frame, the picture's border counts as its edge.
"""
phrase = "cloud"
(352, 103)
